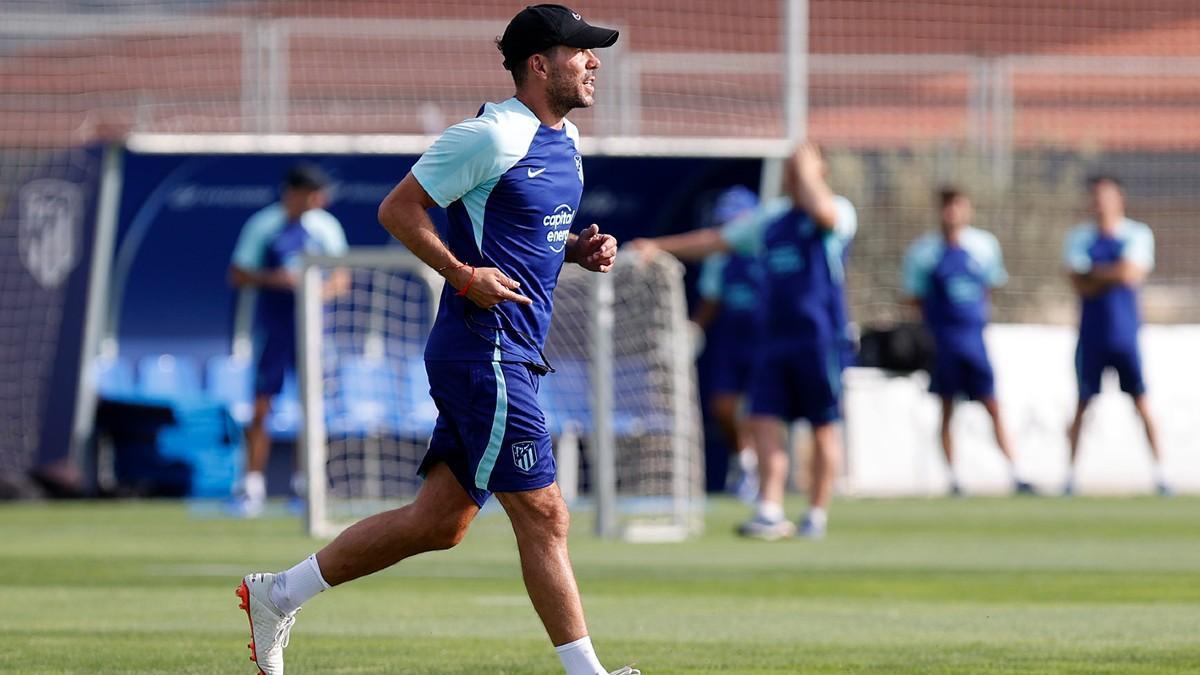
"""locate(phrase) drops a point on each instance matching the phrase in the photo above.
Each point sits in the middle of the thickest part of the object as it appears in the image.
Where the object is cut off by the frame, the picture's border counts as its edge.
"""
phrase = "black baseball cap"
(540, 27)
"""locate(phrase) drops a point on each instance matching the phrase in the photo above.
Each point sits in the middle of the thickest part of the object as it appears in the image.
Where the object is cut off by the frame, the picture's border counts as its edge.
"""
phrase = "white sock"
(579, 658)
(299, 484)
(254, 485)
(770, 511)
(817, 516)
(1013, 472)
(1071, 476)
(747, 460)
(1160, 478)
(295, 586)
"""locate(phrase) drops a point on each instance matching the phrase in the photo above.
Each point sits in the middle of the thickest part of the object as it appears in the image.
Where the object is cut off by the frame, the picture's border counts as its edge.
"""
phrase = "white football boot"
(626, 670)
(269, 627)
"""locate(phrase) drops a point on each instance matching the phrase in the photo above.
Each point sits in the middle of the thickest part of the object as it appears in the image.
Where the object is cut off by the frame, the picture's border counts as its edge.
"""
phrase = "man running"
(510, 180)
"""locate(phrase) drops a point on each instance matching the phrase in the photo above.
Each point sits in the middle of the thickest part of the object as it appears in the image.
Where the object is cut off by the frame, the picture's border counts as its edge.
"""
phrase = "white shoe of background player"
(626, 670)
(269, 627)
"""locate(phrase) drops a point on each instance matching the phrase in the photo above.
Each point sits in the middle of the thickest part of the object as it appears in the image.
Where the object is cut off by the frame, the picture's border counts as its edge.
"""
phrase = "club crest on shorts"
(524, 455)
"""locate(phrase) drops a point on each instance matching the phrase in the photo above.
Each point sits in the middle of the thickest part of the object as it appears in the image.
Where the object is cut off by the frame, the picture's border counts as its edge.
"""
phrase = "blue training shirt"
(269, 241)
(1111, 319)
(733, 280)
(953, 281)
(510, 186)
(803, 269)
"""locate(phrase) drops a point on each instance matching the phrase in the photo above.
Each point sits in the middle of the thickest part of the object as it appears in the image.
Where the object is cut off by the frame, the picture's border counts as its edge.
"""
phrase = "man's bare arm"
(810, 192)
(690, 246)
(403, 214)
(278, 279)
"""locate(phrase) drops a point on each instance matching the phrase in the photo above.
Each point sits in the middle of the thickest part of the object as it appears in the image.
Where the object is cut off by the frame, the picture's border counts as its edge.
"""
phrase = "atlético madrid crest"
(48, 237)
(524, 455)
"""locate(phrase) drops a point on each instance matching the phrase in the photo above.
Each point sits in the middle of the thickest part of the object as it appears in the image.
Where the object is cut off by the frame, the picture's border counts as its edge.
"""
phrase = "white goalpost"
(624, 392)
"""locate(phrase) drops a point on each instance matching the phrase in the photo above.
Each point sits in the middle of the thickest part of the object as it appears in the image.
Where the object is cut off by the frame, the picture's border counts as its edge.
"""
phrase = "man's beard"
(563, 95)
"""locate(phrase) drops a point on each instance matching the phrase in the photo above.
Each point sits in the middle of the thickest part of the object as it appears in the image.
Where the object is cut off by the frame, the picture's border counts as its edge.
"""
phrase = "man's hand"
(488, 287)
(808, 162)
(281, 279)
(644, 249)
(594, 251)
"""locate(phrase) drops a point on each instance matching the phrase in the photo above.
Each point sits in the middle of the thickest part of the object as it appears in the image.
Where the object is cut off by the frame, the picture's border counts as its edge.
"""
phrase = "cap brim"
(592, 37)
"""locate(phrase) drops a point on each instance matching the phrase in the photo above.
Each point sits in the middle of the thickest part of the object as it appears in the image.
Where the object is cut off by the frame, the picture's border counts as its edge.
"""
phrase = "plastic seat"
(286, 412)
(168, 376)
(113, 377)
(231, 381)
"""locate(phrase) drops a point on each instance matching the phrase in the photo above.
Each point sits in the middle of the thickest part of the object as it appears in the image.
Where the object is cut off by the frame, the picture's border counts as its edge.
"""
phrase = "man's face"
(298, 200)
(957, 213)
(1105, 199)
(571, 79)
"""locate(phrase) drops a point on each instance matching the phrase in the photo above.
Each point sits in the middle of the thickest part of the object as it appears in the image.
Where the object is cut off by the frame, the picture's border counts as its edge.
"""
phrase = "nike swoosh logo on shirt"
(535, 174)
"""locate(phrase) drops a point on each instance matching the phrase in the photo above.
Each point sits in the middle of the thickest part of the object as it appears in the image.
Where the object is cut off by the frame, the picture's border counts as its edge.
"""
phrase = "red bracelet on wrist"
(463, 291)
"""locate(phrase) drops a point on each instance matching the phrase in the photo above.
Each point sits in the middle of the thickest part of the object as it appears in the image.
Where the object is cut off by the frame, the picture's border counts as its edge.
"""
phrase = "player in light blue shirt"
(510, 180)
(730, 313)
(802, 241)
(949, 275)
(267, 258)
(1108, 259)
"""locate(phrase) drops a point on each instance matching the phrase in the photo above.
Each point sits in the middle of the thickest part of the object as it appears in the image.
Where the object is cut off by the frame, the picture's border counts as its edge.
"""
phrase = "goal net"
(621, 405)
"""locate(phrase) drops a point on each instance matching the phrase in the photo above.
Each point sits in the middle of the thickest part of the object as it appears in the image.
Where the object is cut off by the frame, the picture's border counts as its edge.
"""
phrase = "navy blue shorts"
(962, 371)
(276, 358)
(800, 383)
(490, 430)
(1091, 362)
(731, 361)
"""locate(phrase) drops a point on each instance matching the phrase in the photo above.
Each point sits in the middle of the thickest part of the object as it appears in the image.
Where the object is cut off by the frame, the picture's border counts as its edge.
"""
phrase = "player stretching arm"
(730, 288)
(949, 276)
(1108, 259)
(484, 354)
(801, 241)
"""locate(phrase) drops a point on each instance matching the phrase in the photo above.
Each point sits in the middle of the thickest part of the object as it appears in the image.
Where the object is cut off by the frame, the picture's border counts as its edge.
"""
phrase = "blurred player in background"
(511, 180)
(267, 258)
(802, 240)
(949, 276)
(1108, 259)
(730, 314)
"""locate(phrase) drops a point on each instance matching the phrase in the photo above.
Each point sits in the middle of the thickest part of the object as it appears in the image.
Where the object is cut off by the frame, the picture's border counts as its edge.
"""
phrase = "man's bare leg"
(438, 519)
(826, 458)
(769, 521)
(258, 452)
(948, 444)
(540, 521)
(1143, 409)
(993, 409)
(1073, 434)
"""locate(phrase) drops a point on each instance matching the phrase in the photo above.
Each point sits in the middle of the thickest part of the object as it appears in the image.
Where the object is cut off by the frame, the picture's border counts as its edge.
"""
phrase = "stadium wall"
(893, 423)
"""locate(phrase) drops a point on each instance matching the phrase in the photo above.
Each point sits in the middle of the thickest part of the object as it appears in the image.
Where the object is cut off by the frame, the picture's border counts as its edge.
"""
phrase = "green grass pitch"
(963, 586)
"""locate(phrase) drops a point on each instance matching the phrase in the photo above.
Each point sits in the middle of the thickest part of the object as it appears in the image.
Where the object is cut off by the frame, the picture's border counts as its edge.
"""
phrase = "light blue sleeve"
(985, 249)
(254, 237)
(847, 220)
(712, 276)
(463, 157)
(328, 232)
(744, 234)
(1075, 249)
(994, 266)
(918, 265)
(1139, 246)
